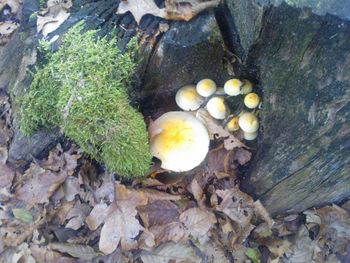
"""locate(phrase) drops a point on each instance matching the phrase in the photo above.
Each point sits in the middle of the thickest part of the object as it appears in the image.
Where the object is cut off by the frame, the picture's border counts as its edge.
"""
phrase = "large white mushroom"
(182, 141)
(188, 99)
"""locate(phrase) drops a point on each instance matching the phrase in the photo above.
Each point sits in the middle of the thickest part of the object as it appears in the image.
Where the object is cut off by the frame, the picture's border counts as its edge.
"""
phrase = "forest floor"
(67, 208)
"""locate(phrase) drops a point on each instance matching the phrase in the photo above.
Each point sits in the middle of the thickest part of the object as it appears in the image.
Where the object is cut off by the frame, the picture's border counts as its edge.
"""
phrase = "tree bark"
(303, 63)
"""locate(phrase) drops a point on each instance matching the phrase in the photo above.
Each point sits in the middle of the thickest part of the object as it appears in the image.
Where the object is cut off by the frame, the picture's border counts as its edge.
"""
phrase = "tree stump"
(303, 63)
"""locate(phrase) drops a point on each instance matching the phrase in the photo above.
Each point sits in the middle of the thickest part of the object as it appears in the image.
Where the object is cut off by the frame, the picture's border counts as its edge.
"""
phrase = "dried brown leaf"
(197, 192)
(42, 253)
(6, 175)
(170, 252)
(53, 16)
(261, 211)
(216, 131)
(197, 221)
(174, 231)
(238, 206)
(84, 252)
(97, 216)
(76, 215)
(38, 186)
(214, 252)
(7, 28)
(174, 9)
(120, 226)
(158, 213)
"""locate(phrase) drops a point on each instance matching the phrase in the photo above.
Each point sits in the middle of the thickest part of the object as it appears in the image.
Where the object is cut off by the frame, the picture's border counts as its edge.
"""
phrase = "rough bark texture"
(186, 53)
(304, 63)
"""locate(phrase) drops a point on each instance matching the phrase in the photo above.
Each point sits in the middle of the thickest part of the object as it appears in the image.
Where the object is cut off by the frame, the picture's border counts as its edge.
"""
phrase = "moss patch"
(83, 90)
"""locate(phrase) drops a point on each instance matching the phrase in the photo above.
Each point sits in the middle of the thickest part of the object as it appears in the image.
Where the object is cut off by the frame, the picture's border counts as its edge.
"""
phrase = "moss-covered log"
(303, 61)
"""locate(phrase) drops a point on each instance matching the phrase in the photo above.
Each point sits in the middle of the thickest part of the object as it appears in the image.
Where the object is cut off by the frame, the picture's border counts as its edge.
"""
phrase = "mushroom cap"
(206, 87)
(249, 136)
(251, 100)
(247, 87)
(188, 99)
(182, 142)
(217, 108)
(248, 122)
(233, 87)
(232, 125)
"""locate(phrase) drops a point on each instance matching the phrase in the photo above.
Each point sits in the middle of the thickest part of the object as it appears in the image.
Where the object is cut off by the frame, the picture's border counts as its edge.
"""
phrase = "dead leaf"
(186, 10)
(159, 212)
(170, 252)
(84, 252)
(97, 216)
(7, 28)
(238, 206)
(279, 247)
(13, 4)
(197, 192)
(174, 231)
(197, 221)
(6, 175)
(53, 16)
(216, 131)
(43, 253)
(121, 224)
(174, 9)
(3, 154)
(38, 185)
(214, 252)
(76, 215)
(303, 249)
(261, 211)
(335, 228)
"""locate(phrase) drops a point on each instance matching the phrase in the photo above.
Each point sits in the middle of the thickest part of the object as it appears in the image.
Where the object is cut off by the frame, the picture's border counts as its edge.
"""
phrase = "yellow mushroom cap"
(249, 136)
(206, 87)
(233, 87)
(232, 125)
(247, 87)
(251, 100)
(182, 143)
(217, 108)
(248, 122)
(188, 99)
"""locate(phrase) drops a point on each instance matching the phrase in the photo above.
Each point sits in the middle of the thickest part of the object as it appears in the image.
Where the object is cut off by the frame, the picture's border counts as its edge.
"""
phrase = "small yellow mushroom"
(249, 136)
(232, 87)
(188, 99)
(247, 87)
(248, 122)
(206, 87)
(182, 141)
(232, 125)
(217, 108)
(251, 100)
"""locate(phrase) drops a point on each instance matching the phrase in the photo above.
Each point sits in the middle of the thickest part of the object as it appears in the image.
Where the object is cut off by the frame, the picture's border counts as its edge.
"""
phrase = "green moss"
(83, 90)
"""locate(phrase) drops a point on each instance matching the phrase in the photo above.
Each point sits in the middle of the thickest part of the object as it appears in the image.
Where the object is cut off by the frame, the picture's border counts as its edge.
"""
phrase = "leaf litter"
(63, 208)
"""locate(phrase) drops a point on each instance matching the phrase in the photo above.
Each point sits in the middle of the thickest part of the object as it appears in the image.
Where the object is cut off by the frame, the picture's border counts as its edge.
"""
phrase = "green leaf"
(22, 215)
(253, 254)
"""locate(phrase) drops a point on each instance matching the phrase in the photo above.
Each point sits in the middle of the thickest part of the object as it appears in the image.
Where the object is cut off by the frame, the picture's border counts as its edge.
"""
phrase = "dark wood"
(303, 63)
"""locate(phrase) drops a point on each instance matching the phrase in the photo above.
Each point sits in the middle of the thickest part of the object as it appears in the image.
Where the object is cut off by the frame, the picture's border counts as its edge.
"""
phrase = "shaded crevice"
(229, 30)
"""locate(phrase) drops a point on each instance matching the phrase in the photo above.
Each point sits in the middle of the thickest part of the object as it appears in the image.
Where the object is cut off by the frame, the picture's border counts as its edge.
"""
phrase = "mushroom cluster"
(206, 94)
(182, 141)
